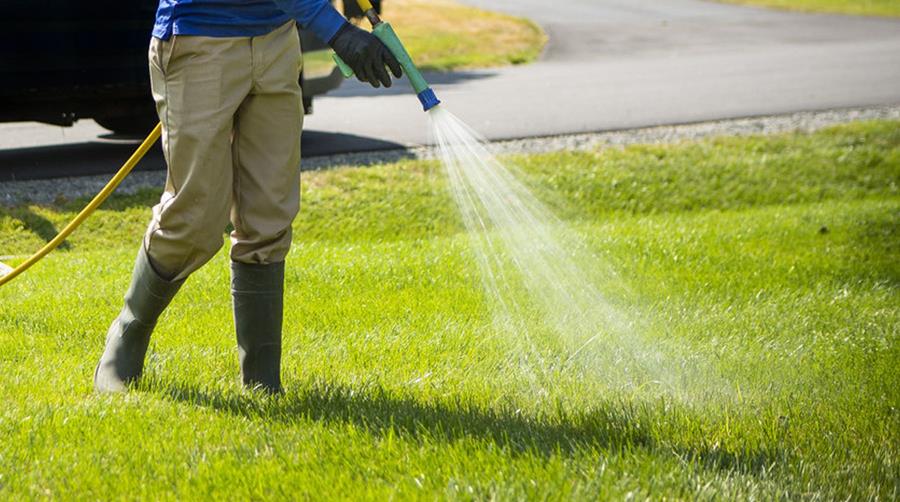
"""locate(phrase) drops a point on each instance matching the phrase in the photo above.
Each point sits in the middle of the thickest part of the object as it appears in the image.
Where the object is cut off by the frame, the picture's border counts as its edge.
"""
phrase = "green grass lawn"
(859, 7)
(773, 261)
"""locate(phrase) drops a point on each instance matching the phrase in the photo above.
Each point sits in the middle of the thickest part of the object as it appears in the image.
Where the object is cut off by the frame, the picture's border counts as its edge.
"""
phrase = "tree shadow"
(382, 413)
(35, 223)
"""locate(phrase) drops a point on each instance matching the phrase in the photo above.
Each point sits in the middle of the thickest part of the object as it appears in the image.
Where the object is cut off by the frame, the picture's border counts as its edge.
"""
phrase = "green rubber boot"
(129, 335)
(258, 295)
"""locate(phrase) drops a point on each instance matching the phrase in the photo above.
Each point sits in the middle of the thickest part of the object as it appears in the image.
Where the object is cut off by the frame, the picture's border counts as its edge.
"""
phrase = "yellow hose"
(365, 5)
(95, 202)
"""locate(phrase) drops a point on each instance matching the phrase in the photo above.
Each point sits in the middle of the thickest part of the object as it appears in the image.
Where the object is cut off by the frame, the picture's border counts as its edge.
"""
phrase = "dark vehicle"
(62, 60)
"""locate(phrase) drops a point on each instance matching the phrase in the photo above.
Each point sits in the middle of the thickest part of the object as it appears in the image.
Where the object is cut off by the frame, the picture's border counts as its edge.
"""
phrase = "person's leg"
(266, 154)
(198, 84)
(198, 91)
(129, 334)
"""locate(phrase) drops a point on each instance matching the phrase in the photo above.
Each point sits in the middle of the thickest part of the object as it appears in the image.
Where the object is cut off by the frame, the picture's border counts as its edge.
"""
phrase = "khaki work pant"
(231, 111)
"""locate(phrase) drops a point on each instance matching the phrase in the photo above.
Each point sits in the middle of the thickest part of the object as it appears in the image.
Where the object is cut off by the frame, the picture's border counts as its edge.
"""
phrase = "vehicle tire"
(139, 124)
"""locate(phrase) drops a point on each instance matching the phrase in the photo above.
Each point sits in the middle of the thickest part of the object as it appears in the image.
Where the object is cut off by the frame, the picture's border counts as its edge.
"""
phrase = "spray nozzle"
(428, 99)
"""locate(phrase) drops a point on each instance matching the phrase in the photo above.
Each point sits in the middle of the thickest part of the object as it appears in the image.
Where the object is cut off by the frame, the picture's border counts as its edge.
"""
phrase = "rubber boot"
(129, 335)
(258, 295)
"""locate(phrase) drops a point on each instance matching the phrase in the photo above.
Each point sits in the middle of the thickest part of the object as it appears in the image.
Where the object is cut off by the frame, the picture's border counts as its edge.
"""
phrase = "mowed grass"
(775, 260)
(857, 7)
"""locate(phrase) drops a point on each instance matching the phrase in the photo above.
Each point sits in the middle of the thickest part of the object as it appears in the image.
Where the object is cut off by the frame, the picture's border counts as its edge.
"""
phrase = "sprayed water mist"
(536, 271)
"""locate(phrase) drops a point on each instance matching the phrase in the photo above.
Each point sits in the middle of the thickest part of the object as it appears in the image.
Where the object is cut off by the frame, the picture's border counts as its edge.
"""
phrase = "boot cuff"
(257, 277)
(155, 283)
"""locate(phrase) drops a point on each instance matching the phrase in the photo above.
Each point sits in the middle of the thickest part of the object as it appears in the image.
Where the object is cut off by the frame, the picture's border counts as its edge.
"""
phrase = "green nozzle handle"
(389, 38)
(346, 71)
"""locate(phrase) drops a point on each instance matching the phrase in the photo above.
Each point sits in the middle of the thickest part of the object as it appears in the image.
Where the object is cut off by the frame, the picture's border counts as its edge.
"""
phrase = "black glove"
(366, 55)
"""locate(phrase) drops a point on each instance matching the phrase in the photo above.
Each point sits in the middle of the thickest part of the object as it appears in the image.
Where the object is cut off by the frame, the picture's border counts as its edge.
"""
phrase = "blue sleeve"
(319, 16)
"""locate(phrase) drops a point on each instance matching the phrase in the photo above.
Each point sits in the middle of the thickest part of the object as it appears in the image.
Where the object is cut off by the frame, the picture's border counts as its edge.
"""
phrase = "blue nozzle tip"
(428, 99)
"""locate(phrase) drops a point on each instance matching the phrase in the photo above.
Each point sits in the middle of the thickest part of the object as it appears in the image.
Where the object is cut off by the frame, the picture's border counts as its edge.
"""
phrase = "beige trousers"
(231, 111)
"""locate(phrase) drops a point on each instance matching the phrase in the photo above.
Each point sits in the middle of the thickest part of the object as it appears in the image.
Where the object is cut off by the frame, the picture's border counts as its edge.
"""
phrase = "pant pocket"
(161, 51)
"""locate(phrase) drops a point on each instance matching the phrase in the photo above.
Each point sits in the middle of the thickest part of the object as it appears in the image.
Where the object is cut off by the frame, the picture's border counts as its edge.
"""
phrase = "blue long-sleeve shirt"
(244, 18)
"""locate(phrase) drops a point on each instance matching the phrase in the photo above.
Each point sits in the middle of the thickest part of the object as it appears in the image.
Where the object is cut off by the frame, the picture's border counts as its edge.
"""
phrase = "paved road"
(610, 64)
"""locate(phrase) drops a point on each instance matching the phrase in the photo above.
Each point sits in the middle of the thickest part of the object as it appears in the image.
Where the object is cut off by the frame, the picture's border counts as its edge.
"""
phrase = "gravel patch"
(60, 189)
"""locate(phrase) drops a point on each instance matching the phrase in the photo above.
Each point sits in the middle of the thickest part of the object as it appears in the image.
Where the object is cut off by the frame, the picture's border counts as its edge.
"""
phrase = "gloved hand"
(366, 55)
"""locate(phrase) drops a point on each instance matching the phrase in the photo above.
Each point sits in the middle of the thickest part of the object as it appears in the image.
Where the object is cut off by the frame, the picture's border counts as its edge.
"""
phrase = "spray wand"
(384, 32)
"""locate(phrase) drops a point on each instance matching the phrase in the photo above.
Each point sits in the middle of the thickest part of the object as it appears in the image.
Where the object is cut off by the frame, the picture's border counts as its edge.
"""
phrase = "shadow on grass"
(616, 428)
(35, 223)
